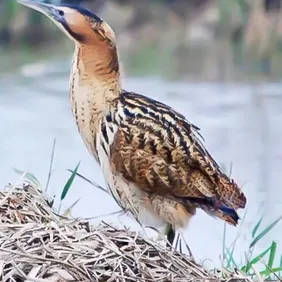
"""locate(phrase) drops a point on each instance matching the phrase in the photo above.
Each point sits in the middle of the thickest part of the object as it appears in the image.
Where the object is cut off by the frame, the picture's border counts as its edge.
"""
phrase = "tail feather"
(214, 207)
(229, 215)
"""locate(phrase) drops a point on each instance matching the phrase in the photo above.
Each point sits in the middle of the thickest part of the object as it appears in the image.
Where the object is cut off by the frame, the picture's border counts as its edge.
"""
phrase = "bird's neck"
(94, 84)
(95, 77)
(98, 68)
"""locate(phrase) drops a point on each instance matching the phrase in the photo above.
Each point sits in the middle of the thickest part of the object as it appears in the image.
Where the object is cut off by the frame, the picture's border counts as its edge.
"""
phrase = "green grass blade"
(280, 265)
(51, 165)
(90, 182)
(255, 260)
(272, 254)
(268, 272)
(69, 183)
(29, 176)
(254, 232)
(265, 231)
(230, 260)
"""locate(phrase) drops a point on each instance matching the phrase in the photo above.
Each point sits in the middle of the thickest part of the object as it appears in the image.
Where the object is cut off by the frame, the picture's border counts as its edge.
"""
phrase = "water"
(241, 124)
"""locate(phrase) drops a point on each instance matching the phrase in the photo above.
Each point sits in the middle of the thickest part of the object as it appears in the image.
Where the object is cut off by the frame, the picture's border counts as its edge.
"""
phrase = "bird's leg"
(170, 235)
(169, 232)
(174, 238)
(178, 245)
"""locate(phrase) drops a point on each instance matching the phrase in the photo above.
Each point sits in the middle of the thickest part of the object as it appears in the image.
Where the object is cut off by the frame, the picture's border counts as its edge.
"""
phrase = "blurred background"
(219, 62)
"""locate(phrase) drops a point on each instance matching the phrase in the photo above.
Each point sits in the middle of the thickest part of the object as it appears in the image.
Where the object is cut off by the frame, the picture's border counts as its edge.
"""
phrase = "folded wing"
(161, 152)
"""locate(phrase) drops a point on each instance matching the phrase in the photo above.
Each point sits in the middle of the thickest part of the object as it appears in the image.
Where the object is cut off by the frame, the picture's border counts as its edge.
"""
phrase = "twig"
(36, 245)
(51, 165)
(89, 181)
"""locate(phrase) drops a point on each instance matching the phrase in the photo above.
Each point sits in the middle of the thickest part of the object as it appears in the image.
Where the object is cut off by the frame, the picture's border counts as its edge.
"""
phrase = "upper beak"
(45, 9)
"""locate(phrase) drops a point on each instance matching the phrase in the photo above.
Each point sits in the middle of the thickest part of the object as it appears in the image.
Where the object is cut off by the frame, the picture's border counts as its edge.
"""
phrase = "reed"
(37, 244)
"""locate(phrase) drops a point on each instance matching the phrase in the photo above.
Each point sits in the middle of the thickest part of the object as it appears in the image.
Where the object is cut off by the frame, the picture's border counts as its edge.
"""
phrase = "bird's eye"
(61, 13)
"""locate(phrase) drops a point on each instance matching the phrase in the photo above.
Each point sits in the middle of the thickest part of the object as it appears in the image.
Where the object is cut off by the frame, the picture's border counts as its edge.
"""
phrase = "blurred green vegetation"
(241, 36)
(262, 266)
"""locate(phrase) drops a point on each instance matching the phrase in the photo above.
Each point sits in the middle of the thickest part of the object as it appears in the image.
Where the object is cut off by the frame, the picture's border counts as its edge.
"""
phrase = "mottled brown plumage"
(153, 159)
(161, 152)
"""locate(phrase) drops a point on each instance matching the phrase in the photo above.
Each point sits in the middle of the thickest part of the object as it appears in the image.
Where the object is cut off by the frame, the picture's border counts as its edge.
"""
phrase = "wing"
(161, 152)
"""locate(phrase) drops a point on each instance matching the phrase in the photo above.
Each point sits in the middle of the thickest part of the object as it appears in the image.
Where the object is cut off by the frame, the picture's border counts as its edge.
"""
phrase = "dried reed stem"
(36, 246)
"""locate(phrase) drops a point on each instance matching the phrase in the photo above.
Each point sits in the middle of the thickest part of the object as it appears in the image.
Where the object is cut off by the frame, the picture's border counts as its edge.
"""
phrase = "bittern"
(153, 159)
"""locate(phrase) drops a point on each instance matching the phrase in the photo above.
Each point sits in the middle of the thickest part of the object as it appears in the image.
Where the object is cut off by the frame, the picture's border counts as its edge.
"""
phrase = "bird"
(154, 161)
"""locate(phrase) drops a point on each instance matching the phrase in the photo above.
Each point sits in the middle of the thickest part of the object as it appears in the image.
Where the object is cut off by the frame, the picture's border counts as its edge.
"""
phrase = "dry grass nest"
(37, 245)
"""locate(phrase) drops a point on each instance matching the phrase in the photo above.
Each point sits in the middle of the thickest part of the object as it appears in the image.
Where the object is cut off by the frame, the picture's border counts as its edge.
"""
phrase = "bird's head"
(80, 25)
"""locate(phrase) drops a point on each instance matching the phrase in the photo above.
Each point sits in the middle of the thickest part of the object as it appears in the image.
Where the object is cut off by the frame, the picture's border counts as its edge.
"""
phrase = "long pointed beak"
(43, 8)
